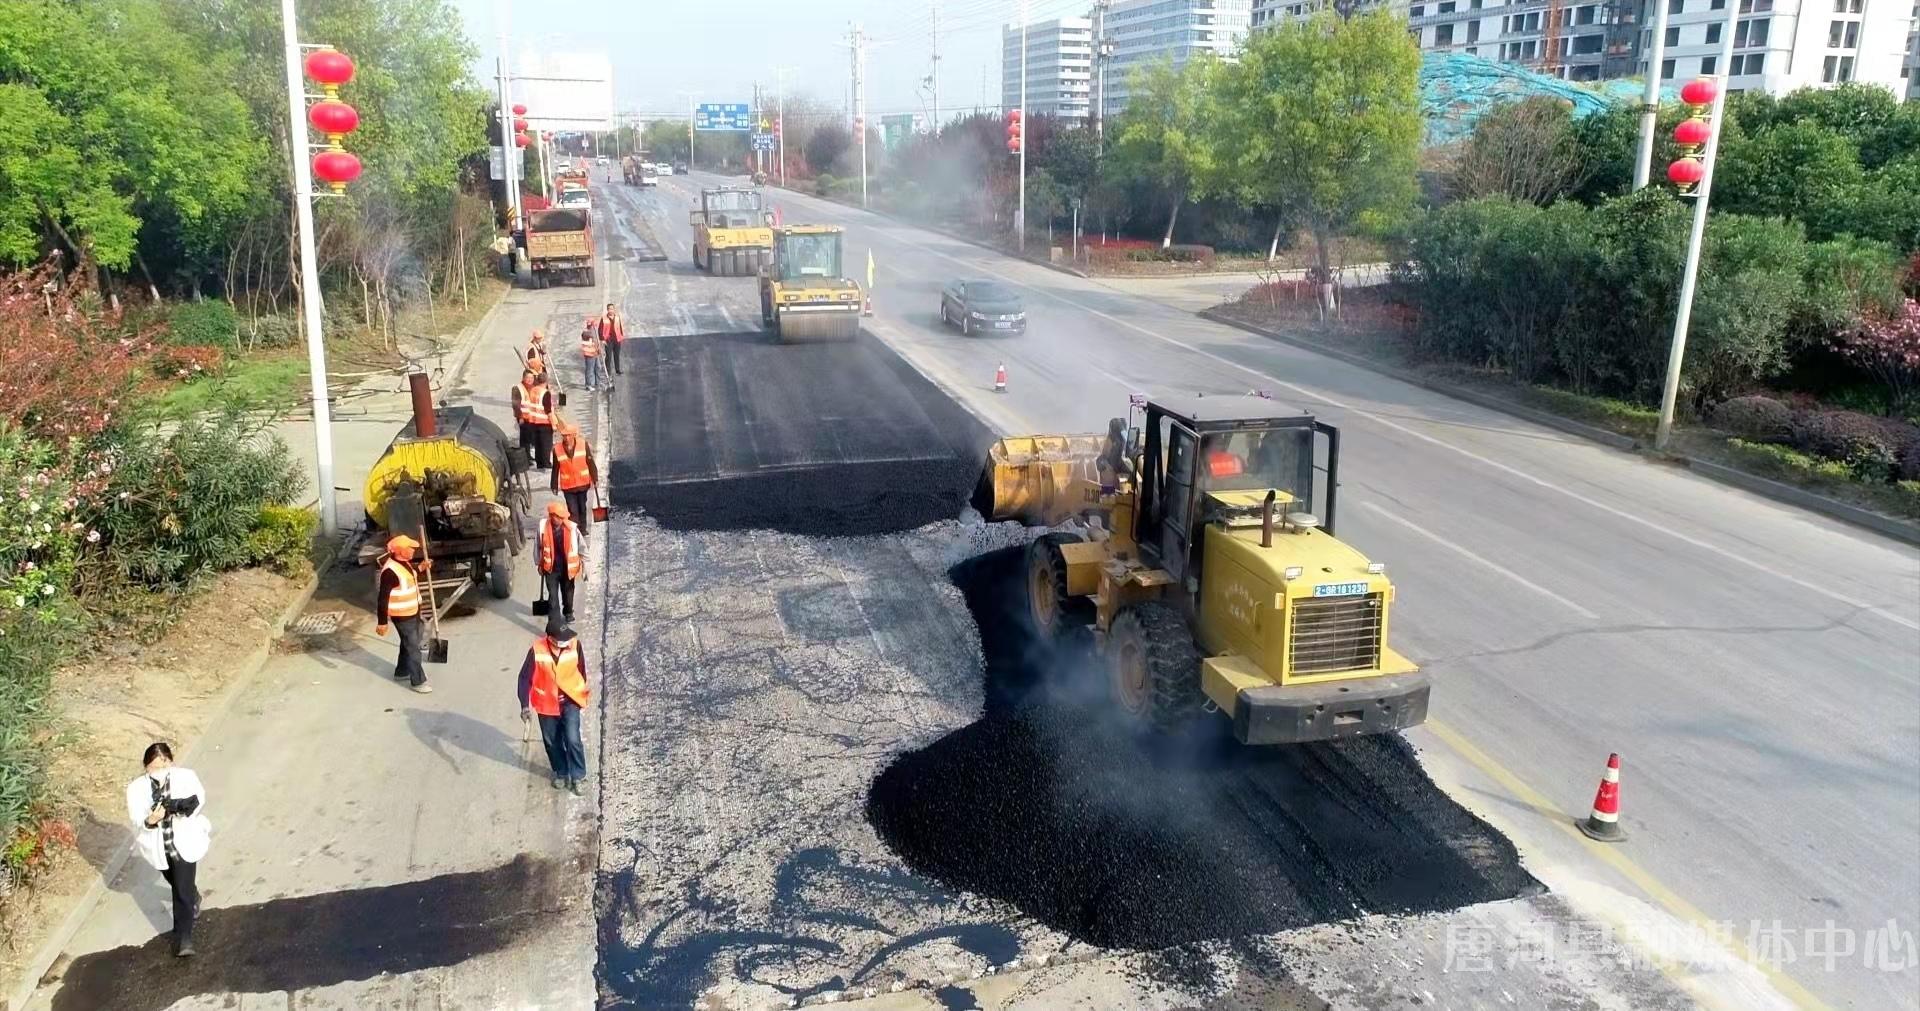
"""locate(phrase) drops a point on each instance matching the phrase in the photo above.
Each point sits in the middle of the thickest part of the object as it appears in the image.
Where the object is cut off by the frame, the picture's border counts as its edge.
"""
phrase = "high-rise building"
(1059, 68)
(1142, 31)
(1911, 72)
(1779, 45)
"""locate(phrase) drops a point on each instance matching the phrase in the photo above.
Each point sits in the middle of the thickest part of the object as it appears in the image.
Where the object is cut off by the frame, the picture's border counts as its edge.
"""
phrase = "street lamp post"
(1020, 215)
(338, 168)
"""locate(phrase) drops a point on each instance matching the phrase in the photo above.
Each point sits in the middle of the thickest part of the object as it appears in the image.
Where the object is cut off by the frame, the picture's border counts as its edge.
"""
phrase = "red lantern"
(330, 67)
(334, 118)
(521, 140)
(520, 126)
(338, 168)
(519, 110)
(1700, 91)
(1686, 172)
(1692, 132)
(1015, 131)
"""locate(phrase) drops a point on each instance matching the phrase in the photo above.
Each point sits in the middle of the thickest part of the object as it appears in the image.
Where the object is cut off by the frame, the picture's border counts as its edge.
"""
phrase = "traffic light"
(1015, 131)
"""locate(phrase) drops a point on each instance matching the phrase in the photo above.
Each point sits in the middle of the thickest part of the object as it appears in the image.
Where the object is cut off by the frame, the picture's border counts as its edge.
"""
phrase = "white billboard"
(581, 102)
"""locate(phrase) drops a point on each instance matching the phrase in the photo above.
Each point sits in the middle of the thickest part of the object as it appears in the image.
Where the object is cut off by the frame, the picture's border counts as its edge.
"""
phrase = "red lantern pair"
(335, 166)
(1016, 131)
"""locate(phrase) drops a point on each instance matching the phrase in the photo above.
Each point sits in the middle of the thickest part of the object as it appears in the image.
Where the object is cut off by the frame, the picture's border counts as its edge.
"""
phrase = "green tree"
(827, 147)
(1072, 158)
(1167, 134)
(1797, 169)
(1322, 118)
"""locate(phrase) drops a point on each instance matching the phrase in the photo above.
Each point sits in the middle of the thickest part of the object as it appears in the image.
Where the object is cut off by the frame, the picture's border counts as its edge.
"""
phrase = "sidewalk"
(369, 841)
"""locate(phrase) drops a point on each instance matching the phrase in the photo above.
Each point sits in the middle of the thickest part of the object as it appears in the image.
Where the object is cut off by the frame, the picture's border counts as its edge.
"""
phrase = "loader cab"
(1194, 446)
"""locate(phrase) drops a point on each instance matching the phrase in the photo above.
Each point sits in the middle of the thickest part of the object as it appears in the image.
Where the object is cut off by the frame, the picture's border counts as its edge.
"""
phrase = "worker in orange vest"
(574, 472)
(590, 349)
(553, 685)
(613, 333)
(533, 407)
(537, 350)
(397, 602)
(559, 559)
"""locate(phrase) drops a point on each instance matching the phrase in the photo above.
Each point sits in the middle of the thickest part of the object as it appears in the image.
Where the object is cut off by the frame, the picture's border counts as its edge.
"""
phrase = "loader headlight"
(1291, 573)
(1376, 568)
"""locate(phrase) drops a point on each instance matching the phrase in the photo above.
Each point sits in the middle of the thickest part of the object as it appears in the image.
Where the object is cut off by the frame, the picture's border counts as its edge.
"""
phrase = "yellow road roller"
(1199, 551)
(805, 294)
(732, 232)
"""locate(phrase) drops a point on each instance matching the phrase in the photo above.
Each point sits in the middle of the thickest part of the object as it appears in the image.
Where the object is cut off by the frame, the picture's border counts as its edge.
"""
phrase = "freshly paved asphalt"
(1757, 667)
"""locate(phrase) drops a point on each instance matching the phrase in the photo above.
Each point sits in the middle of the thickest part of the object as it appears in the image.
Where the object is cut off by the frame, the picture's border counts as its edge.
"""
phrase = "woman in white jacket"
(168, 807)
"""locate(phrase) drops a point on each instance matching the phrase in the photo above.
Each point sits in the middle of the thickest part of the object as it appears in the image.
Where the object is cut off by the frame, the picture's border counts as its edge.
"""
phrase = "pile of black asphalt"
(723, 431)
(1125, 841)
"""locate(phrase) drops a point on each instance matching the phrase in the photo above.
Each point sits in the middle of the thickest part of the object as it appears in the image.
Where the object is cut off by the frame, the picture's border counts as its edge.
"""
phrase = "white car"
(602, 160)
(665, 169)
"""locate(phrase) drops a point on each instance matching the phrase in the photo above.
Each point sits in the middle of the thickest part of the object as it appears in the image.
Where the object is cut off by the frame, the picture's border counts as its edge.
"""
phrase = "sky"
(719, 48)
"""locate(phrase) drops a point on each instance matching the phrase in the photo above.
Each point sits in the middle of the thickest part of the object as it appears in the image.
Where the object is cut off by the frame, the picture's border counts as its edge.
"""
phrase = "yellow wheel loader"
(732, 232)
(1199, 549)
(804, 293)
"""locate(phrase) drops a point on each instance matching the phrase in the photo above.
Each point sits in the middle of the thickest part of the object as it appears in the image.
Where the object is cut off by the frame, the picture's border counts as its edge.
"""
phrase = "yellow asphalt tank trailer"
(452, 476)
(805, 294)
(732, 232)
(1199, 549)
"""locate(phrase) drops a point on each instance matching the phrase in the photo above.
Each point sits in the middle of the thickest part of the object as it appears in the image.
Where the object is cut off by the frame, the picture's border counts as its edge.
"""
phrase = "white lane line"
(1487, 562)
(724, 314)
(1731, 556)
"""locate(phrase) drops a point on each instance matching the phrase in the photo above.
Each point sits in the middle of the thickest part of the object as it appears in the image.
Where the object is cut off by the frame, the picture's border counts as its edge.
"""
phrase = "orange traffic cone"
(1000, 378)
(1604, 823)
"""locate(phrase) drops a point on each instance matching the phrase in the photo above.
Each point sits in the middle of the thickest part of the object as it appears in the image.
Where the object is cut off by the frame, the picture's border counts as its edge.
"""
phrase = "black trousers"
(560, 588)
(577, 505)
(541, 444)
(186, 895)
(408, 665)
(613, 357)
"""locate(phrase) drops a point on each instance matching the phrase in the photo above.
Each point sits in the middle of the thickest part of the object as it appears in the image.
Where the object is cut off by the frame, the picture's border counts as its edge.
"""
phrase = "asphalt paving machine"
(805, 294)
(1198, 549)
(732, 232)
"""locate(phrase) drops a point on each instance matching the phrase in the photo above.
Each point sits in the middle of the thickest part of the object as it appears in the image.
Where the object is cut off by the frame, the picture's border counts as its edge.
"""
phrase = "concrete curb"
(249, 668)
(1811, 501)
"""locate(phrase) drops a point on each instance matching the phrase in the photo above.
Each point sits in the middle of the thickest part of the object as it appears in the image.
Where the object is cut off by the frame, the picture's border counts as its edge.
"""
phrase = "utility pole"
(780, 119)
(1100, 75)
(1690, 274)
(1020, 215)
(860, 103)
(509, 154)
(691, 95)
(933, 73)
(299, 150)
(1650, 104)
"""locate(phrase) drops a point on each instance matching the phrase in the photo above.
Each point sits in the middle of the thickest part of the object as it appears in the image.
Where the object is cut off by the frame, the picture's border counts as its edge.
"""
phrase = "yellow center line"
(1613, 857)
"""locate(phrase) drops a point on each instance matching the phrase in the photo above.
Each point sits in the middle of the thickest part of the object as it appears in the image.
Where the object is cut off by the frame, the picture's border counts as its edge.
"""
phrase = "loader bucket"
(1030, 477)
(811, 327)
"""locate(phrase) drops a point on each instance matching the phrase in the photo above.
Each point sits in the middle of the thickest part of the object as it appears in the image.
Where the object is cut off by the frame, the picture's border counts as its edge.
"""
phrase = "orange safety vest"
(404, 602)
(612, 328)
(573, 547)
(572, 464)
(533, 404)
(589, 345)
(555, 673)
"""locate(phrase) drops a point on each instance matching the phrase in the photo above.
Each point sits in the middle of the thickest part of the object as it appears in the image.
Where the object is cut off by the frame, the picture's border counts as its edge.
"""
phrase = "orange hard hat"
(557, 510)
(536, 366)
(538, 335)
(401, 542)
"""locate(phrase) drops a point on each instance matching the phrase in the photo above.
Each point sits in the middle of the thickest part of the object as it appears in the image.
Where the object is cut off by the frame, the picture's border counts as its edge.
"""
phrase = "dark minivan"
(982, 307)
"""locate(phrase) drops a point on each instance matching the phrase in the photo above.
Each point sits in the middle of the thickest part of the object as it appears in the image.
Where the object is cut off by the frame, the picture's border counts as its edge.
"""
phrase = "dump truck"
(637, 171)
(560, 242)
(804, 293)
(732, 232)
(452, 481)
(1198, 551)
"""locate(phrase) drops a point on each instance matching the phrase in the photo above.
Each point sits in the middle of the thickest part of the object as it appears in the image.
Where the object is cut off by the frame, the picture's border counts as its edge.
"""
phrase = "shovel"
(436, 646)
(600, 509)
(543, 606)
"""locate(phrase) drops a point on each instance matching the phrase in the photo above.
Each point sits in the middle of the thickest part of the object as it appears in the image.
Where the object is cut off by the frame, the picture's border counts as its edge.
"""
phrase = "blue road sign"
(723, 116)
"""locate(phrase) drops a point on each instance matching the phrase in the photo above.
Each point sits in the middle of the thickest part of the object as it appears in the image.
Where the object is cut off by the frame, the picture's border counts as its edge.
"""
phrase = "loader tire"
(500, 573)
(1153, 666)
(1052, 610)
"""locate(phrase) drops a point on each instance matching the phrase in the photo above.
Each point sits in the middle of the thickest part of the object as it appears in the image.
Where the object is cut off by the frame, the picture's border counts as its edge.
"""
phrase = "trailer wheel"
(500, 573)
(1153, 667)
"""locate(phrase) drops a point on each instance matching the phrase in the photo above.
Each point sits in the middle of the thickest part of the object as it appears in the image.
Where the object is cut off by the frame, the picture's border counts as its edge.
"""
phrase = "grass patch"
(1620, 416)
(261, 382)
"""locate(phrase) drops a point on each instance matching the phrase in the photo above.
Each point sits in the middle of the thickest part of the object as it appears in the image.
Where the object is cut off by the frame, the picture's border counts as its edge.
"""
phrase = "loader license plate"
(1339, 589)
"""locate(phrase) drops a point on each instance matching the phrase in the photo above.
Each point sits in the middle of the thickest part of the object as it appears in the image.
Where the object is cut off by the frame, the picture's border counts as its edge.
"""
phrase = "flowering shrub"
(39, 531)
(185, 363)
(64, 373)
(1888, 347)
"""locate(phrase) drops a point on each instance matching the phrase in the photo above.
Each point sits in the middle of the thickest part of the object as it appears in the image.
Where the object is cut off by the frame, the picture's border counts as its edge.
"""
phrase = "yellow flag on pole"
(869, 268)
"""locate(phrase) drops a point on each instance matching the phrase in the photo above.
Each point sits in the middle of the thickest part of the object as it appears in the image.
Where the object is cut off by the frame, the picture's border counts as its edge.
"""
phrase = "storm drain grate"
(317, 623)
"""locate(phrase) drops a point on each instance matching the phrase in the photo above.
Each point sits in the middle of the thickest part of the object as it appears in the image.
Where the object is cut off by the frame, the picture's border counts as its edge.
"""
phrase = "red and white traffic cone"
(1604, 823)
(1000, 378)
(866, 305)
